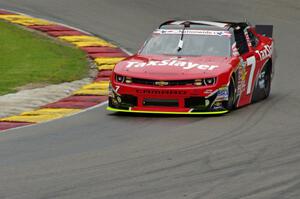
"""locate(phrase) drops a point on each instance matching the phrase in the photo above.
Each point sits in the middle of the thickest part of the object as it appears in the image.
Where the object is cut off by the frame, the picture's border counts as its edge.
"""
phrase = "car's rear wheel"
(263, 85)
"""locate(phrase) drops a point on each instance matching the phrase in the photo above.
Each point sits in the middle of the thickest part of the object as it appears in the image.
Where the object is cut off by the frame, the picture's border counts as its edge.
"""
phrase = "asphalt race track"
(253, 152)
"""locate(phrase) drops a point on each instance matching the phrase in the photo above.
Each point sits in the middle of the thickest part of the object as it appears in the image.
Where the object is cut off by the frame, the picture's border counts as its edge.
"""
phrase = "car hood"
(172, 67)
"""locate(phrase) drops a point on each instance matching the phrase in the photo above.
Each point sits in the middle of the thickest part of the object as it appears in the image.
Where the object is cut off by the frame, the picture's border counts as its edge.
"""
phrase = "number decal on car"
(117, 88)
(251, 61)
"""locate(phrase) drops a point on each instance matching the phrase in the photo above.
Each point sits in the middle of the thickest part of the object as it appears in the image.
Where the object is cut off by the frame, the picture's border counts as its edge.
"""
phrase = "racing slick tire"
(263, 85)
(230, 104)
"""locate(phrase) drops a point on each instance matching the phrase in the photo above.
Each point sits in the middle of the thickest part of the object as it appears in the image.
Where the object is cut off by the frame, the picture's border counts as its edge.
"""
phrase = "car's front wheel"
(230, 104)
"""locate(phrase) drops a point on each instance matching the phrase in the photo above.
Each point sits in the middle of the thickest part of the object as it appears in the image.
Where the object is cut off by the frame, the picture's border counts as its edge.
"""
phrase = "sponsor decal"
(235, 51)
(247, 37)
(266, 52)
(242, 73)
(193, 32)
(176, 63)
(223, 94)
(161, 92)
(217, 106)
(208, 91)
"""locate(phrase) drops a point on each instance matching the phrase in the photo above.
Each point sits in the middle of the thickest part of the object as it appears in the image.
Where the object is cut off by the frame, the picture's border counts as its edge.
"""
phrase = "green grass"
(28, 57)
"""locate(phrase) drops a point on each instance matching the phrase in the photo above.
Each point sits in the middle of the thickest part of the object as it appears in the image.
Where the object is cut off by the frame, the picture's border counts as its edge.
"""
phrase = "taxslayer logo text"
(266, 52)
(183, 64)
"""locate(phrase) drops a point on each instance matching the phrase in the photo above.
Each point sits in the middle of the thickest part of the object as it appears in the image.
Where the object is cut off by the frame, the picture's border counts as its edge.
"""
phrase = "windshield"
(195, 43)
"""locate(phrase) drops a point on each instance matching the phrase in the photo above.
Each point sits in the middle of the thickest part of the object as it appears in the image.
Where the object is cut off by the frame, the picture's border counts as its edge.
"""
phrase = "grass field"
(30, 58)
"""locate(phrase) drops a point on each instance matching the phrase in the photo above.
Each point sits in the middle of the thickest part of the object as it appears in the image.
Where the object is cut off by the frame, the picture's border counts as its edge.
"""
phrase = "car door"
(248, 67)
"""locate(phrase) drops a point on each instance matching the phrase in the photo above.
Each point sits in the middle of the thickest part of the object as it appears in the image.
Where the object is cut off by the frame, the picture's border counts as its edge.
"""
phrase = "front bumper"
(168, 100)
(167, 112)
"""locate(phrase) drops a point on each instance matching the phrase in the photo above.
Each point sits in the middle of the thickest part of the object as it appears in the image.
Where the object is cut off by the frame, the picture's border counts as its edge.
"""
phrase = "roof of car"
(212, 24)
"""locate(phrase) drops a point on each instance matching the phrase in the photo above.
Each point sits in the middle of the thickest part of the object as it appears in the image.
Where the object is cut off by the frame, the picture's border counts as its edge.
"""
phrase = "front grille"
(161, 102)
(169, 83)
(199, 103)
(194, 102)
(129, 100)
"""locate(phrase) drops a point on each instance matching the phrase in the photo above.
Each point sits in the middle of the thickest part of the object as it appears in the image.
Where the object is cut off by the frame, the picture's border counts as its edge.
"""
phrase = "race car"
(195, 67)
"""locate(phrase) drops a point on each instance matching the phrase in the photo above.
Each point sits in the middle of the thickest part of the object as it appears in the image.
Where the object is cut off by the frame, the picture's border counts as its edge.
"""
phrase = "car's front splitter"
(168, 112)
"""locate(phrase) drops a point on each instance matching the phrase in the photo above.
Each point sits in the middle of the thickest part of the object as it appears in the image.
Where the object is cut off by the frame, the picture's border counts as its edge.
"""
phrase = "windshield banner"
(193, 32)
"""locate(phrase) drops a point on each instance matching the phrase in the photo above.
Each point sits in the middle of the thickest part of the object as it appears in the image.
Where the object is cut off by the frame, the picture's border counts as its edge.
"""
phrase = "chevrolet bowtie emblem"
(161, 83)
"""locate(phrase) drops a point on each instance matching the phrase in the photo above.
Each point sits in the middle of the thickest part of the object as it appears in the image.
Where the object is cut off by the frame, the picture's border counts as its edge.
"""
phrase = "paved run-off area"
(251, 153)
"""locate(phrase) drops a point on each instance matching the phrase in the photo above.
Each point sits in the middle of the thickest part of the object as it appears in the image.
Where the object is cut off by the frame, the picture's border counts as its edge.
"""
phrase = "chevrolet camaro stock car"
(195, 67)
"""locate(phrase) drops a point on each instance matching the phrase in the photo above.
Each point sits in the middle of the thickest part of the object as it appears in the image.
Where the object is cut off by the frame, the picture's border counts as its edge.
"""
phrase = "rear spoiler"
(266, 30)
